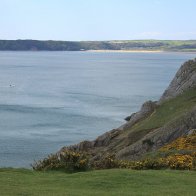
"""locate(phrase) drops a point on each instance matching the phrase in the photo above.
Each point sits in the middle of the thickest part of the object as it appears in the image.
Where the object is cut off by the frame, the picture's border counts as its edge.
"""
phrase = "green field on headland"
(102, 182)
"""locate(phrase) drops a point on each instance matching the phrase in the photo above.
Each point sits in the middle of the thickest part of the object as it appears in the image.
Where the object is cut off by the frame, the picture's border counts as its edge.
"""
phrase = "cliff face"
(156, 124)
(161, 136)
(184, 79)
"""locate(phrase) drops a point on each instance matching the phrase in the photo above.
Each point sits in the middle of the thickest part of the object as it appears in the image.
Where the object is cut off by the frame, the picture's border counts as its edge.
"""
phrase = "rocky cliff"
(184, 79)
(156, 124)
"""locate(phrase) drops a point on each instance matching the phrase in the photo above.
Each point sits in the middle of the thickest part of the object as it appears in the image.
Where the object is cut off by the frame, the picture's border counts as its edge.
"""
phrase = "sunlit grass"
(103, 182)
(169, 110)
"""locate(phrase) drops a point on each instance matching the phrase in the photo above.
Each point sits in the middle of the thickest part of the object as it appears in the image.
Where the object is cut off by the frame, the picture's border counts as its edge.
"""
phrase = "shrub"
(179, 161)
(187, 142)
(176, 161)
(148, 142)
(50, 163)
(69, 161)
(149, 164)
(74, 161)
(180, 154)
(107, 162)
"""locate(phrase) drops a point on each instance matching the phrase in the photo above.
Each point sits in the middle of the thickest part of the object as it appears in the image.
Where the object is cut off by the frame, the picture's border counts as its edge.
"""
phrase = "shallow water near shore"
(52, 99)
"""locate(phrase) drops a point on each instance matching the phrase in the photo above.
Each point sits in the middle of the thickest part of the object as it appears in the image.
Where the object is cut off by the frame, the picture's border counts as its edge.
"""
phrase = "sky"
(82, 20)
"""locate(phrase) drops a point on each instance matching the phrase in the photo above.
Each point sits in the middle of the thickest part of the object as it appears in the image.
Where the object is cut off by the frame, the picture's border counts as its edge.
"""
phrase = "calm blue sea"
(52, 99)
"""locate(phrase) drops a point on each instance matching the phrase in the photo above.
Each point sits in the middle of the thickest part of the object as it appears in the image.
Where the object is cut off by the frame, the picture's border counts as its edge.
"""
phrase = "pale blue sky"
(97, 19)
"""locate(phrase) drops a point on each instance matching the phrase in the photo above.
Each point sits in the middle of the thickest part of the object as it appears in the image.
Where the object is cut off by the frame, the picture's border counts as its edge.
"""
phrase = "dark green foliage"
(148, 142)
(106, 162)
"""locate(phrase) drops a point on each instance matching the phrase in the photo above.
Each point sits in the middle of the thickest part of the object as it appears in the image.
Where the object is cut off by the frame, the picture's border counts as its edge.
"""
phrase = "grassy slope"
(169, 110)
(165, 113)
(104, 182)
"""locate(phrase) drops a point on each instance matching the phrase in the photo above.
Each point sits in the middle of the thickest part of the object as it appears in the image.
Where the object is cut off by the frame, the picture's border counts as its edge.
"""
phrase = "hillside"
(156, 124)
(147, 45)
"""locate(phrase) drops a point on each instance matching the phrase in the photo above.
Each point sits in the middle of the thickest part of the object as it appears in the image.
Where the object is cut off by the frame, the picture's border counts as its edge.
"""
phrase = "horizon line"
(98, 40)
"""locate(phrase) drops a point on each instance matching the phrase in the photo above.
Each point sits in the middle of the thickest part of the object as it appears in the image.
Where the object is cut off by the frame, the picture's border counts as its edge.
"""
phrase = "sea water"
(52, 99)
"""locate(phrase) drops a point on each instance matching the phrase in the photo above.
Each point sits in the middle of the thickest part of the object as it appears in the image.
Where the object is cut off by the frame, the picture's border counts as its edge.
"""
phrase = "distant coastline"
(100, 46)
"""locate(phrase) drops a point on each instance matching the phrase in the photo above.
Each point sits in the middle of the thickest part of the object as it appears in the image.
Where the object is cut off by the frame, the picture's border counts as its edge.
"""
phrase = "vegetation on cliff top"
(180, 154)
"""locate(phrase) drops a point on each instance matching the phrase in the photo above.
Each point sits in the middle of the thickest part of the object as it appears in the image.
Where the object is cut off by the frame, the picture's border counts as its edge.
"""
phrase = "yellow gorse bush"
(185, 156)
(179, 161)
(180, 154)
(183, 143)
(67, 160)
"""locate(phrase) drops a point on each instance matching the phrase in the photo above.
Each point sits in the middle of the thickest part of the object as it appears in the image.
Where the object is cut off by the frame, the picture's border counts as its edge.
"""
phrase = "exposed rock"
(105, 139)
(161, 136)
(128, 118)
(147, 108)
(101, 141)
(82, 146)
(191, 131)
(184, 79)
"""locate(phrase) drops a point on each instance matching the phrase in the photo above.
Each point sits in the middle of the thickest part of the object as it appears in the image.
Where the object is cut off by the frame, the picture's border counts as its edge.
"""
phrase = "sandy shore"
(144, 51)
(139, 51)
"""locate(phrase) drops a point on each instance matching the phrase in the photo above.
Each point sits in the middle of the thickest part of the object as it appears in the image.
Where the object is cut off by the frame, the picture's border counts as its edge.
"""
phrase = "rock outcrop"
(184, 79)
(161, 136)
(147, 108)
(129, 142)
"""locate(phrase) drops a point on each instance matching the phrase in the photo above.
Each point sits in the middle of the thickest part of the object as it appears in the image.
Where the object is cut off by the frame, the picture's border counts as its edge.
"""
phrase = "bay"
(52, 99)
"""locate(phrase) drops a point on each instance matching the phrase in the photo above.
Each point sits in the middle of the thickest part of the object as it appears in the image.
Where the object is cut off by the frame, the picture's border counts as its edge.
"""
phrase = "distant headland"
(100, 46)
